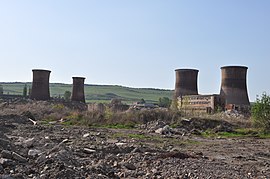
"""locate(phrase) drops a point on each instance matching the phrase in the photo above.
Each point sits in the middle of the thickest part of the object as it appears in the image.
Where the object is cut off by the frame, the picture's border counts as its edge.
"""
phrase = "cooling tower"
(78, 89)
(233, 85)
(40, 85)
(186, 82)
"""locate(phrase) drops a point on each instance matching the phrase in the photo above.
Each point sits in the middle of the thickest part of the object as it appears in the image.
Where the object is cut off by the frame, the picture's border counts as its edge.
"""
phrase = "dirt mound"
(206, 124)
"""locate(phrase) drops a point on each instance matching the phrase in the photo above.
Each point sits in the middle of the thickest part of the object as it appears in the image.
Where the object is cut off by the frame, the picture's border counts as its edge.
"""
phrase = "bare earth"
(57, 151)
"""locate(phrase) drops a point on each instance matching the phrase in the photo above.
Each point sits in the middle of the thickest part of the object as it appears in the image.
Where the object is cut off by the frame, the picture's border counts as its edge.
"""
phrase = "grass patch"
(241, 132)
(115, 126)
(138, 136)
(97, 93)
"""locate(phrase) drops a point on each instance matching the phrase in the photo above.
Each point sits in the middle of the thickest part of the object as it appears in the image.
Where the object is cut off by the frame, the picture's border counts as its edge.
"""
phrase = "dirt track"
(56, 151)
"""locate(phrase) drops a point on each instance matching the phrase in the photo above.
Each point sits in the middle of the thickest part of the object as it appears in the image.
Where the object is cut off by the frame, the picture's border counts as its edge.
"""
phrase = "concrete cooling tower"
(78, 89)
(233, 85)
(40, 85)
(186, 82)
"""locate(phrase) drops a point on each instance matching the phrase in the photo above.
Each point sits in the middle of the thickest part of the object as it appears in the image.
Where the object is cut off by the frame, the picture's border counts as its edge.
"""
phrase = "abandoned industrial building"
(200, 103)
(40, 86)
(233, 92)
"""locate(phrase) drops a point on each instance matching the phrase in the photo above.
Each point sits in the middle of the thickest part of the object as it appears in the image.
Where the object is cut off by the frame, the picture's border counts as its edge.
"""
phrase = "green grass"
(97, 93)
(115, 126)
(242, 132)
(137, 136)
(155, 139)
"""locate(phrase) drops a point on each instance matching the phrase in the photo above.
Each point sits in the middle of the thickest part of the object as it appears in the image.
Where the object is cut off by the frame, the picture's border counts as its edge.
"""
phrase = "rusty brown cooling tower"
(78, 89)
(40, 85)
(186, 82)
(233, 85)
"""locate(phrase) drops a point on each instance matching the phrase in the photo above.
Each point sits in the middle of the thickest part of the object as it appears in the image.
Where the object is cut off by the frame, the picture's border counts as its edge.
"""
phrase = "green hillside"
(97, 93)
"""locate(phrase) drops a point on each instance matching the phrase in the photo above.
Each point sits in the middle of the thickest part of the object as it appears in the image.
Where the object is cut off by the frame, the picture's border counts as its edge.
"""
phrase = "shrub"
(164, 102)
(261, 112)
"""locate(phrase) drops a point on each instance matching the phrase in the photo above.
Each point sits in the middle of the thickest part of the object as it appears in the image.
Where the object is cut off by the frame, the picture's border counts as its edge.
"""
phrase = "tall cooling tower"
(186, 82)
(78, 89)
(40, 85)
(233, 85)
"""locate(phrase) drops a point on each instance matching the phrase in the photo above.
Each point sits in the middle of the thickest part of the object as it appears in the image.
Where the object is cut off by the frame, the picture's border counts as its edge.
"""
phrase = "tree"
(164, 102)
(25, 91)
(142, 101)
(1, 90)
(261, 112)
(67, 95)
(29, 91)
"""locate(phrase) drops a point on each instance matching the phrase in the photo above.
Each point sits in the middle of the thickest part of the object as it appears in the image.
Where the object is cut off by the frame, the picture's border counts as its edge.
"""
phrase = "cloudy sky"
(135, 43)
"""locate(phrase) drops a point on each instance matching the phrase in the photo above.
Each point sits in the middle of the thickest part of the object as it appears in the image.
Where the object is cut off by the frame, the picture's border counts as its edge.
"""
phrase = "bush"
(261, 112)
(164, 102)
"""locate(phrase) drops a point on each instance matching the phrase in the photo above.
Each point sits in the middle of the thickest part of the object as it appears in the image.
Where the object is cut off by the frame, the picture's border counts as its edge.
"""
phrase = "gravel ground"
(57, 151)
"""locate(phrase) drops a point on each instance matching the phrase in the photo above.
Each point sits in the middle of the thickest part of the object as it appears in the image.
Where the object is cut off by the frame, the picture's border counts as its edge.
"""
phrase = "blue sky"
(135, 43)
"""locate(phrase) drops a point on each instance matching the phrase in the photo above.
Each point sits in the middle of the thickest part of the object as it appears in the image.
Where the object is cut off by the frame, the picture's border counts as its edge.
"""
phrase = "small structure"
(200, 103)
(140, 105)
(78, 89)
(40, 85)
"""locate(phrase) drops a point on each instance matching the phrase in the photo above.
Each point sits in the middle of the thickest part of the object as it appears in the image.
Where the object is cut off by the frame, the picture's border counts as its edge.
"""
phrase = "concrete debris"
(88, 151)
(18, 157)
(129, 166)
(34, 122)
(34, 152)
(166, 130)
(86, 135)
(13, 155)
(7, 162)
(69, 152)
(6, 154)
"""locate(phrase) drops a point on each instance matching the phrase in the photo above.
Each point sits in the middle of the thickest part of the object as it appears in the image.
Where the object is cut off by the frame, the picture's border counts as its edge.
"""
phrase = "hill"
(97, 93)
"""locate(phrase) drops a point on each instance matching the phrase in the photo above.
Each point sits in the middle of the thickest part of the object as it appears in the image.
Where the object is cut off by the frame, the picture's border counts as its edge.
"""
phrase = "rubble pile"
(29, 150)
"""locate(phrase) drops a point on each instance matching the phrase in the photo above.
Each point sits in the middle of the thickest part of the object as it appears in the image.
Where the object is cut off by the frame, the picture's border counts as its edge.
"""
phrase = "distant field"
(97, 93)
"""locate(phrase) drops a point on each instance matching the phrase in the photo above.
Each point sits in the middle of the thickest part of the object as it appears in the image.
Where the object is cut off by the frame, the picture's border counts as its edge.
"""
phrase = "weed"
(241, 132)
(137, 136)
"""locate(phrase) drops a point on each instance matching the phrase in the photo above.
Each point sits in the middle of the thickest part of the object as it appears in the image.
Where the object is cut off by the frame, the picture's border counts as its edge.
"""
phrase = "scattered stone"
(1, 168)
(6, 177)
(120, 143)
(6, 154)
(86, 135)
(34, 122)
(112, 141)
(52, 122)
(179, 155)
(29, 142)
(136, 150)
(129, 166)
(7, 162)
(166, 130)
(4, 143)
(18, 157)
(88, 151)
(34, 152)
(57, 151)
(13, 155)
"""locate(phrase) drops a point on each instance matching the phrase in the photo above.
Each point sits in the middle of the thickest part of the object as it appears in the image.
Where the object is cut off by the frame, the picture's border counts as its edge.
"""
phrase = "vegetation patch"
(242, 132)
(261, 112)
(115, 126)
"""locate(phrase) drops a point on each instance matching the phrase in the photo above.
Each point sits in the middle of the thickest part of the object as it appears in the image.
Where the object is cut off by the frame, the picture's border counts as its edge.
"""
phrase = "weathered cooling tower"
(78, 89)
(40, 85)
(233, 85)
(186, 82)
